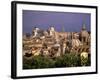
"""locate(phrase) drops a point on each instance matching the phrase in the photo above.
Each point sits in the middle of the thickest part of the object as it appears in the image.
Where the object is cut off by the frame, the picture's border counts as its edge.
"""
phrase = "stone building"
(52, 43)
(84, 34)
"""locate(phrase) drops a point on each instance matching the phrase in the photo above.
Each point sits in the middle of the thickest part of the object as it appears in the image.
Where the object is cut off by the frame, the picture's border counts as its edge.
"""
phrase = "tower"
(63, 29)
(84, 34)
(52, 31)
(35, 31)
(84, 27)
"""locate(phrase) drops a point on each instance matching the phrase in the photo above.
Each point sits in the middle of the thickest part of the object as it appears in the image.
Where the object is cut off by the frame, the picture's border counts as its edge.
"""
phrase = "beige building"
(53, 43)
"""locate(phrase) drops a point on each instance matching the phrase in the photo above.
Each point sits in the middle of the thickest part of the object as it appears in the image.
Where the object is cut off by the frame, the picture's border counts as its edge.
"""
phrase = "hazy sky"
(71, 22)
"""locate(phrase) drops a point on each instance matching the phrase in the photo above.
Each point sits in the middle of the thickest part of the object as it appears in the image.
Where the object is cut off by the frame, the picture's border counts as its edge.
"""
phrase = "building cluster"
(52, 43)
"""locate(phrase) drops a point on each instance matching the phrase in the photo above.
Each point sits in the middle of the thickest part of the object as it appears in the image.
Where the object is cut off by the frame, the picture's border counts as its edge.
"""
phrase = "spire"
(62, 29)
(84, 27)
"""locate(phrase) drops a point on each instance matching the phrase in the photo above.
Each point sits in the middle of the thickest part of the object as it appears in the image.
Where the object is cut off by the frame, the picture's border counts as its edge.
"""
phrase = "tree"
(70, 60)
(66, 60)
(27, 63)
(42, 62)
(59, 62)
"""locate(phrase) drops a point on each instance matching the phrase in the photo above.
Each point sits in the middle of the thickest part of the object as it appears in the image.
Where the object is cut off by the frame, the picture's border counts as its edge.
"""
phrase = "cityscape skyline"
(59, 20)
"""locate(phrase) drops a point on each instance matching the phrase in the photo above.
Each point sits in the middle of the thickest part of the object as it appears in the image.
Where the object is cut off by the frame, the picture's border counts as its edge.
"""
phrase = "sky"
(67, 21)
